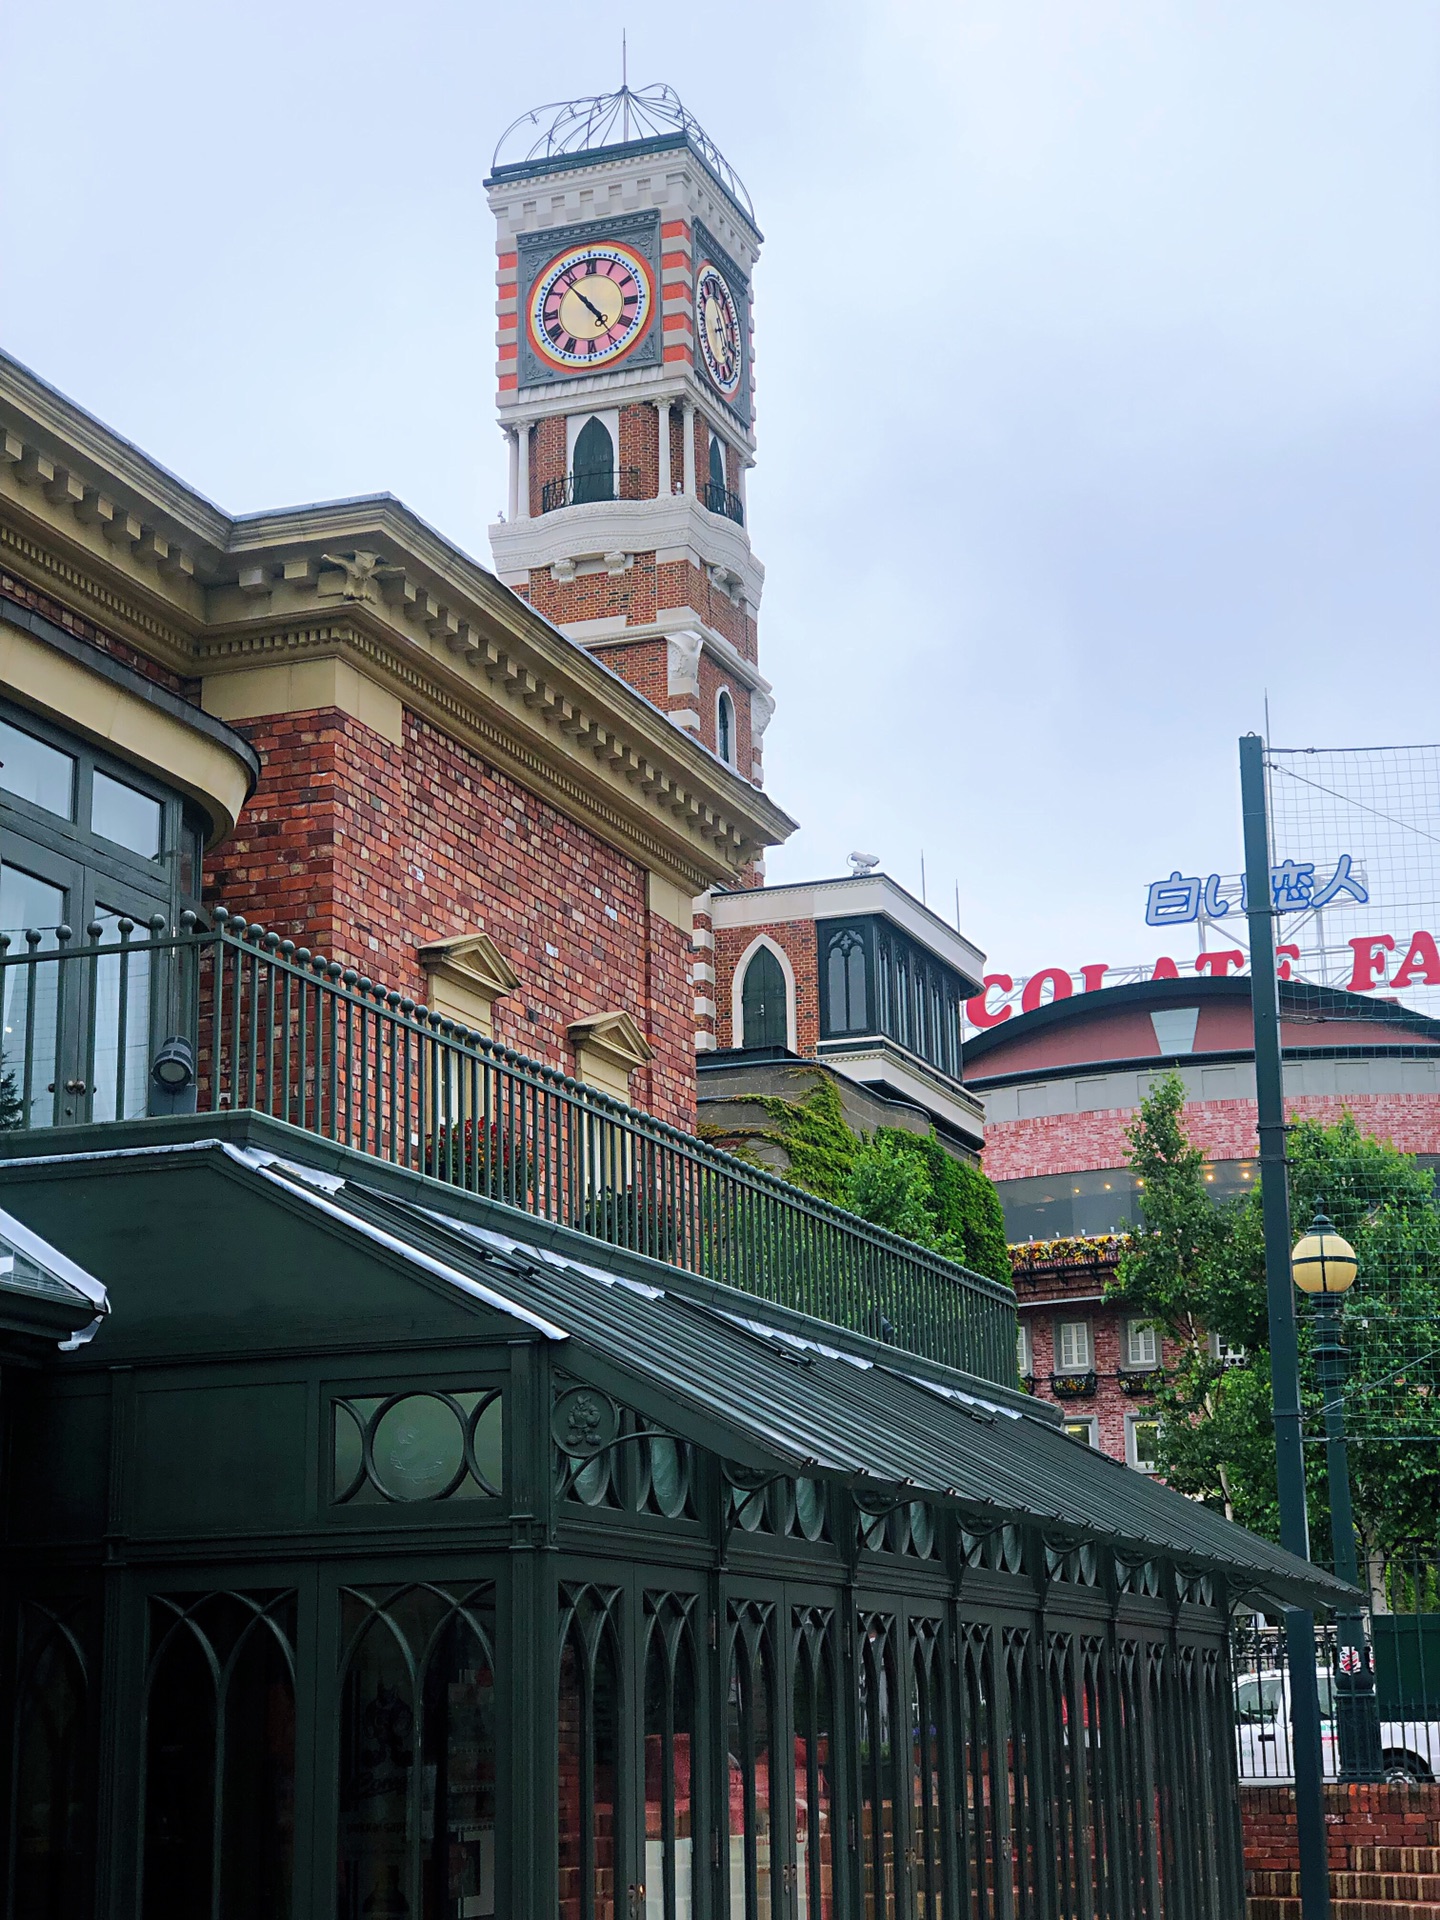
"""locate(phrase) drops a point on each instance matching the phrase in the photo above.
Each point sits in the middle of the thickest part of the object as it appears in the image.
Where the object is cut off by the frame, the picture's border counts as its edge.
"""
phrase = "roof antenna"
(625, 80)
(923, 901)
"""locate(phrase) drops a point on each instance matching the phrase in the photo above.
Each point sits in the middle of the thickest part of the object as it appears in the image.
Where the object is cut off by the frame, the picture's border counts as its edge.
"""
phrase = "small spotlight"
(172, 1075)
(174, 1066)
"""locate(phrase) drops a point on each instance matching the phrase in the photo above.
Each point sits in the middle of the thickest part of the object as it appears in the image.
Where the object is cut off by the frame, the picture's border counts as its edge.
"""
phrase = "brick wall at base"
(1383, 1815)
(365, 851)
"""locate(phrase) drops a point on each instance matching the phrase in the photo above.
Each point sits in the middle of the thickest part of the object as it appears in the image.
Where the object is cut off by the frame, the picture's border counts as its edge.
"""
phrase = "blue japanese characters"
(1294, 887)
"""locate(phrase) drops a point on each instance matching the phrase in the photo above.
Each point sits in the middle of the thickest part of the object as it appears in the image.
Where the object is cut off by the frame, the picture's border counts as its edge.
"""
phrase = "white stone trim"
(837, 899)
(679, 623)
(876, 1063)
(702, 974)
(678, 527)
(575, 423)
(737, 982)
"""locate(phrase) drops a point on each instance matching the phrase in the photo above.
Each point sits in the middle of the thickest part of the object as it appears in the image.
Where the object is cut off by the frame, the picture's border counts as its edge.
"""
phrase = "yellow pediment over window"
(467, 975)
(608, 1048)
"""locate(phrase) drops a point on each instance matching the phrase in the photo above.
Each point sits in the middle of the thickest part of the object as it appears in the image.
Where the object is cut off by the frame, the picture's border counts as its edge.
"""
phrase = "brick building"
(854, 978)
(430, 1486)
(383, 753)
(1061, 1084)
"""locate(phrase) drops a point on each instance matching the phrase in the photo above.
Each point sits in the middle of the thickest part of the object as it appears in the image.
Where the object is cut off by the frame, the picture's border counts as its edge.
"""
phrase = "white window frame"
(1222, 1350)
(1086, 1420)
(1024, 1349)
(1064, 1366)
(1132, 1457)
(733, 762)
(609, 418)
(1140, 1365)
(737, 987)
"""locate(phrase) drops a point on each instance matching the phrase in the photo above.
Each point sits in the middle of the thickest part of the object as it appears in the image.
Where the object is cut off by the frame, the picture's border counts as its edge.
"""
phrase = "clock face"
(590, 306)
(718, 324)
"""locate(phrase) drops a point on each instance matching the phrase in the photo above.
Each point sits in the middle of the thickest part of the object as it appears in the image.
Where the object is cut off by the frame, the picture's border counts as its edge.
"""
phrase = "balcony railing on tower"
(721, 500)
(595, 484)
(232, 1017)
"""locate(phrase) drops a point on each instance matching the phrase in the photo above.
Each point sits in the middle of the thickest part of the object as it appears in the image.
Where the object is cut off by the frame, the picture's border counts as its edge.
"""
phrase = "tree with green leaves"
(1198, 1269)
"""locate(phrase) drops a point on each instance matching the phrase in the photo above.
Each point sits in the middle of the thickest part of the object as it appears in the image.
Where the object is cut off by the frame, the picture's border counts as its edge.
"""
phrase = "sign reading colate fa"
(1419, 967)
(1295, 887)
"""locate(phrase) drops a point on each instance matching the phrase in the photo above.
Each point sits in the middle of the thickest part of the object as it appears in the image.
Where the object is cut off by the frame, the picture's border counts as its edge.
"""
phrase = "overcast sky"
(1097, 353)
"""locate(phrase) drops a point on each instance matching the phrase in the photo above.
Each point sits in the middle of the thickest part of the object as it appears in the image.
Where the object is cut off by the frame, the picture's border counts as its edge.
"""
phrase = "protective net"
(1355, 876)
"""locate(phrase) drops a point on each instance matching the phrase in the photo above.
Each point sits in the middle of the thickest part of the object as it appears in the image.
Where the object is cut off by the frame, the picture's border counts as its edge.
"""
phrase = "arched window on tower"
(717, 466)
(594, 476)
(763, 1021)
(725, 728)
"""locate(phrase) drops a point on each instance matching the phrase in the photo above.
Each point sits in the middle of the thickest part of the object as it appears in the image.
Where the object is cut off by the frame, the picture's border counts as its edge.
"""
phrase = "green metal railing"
(289, 1033)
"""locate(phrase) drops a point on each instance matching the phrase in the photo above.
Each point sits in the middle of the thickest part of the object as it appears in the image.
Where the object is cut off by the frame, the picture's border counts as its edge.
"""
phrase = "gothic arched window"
(219, 1821)
(717, 465)
(594, 1814)
(49, 1802)
(417, 1753)
(594, 463)
(725, 729)
(845, 982)
(762, 1002)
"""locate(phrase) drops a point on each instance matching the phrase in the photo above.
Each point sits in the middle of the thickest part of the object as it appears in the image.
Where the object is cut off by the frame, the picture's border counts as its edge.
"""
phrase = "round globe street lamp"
(1324, 1267)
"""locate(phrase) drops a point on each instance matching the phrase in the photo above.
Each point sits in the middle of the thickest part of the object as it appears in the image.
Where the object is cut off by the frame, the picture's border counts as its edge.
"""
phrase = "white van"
(1410, 1749)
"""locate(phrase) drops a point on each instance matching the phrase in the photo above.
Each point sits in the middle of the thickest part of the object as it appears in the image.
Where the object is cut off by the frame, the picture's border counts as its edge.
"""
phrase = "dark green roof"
(756, 1383)
(43, 1294)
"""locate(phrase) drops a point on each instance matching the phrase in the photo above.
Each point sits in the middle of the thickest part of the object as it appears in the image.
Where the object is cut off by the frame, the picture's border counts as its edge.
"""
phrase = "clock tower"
(626, 245)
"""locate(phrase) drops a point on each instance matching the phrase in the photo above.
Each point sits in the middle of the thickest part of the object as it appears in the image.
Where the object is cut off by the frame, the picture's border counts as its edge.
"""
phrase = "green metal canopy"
(819, 1401)
(44, 1297)
(759, 1384)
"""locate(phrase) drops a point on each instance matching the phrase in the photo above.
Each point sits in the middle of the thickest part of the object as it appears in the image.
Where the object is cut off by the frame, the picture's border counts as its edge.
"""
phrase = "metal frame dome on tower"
(627, 116)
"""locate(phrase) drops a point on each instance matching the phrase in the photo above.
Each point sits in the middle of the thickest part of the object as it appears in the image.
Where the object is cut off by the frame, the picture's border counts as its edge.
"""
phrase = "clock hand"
(592, 306)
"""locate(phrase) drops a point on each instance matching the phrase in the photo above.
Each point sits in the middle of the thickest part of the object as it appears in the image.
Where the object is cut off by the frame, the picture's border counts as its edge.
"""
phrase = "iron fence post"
(1284, 1343)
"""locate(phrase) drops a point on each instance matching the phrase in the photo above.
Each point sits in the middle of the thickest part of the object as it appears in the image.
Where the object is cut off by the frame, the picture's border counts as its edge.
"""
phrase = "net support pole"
(1284, 1343)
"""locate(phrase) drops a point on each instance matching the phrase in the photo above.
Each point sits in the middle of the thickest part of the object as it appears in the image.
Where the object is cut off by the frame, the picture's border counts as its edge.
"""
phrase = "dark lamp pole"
(1324, 1266)
(1284, 1341)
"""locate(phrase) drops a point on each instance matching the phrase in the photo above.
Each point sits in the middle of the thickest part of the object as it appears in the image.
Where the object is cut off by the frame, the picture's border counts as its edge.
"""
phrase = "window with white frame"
(1225, 1351)
(1142, 1344)
(1072, 1346)
(725, 727)
(1024, 1355)
(1082, 1430)
(1142, 1443)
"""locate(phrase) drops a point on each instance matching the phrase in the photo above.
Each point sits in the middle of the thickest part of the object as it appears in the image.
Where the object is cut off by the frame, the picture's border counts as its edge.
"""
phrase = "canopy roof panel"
(756, 1383)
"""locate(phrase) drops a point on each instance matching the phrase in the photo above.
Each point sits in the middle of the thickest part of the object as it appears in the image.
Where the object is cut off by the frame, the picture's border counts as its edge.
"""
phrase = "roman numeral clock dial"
(717, 325)
(590, 306)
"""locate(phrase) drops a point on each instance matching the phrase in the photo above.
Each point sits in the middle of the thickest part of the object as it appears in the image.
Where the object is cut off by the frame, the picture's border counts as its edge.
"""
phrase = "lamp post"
(1305, 1753)
(1324, 1266)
